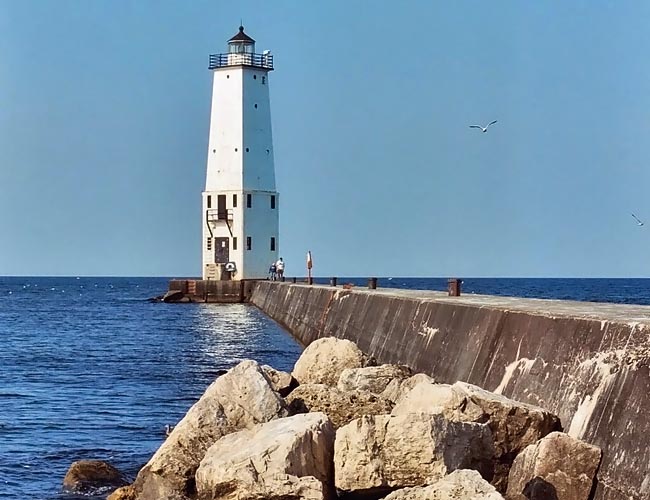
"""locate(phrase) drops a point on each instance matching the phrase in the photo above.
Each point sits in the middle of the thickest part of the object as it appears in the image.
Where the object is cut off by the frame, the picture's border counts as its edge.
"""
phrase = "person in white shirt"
(279, 268)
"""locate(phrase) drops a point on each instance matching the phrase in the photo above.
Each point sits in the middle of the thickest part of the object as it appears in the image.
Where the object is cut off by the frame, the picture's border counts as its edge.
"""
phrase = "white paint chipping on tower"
(240, 204)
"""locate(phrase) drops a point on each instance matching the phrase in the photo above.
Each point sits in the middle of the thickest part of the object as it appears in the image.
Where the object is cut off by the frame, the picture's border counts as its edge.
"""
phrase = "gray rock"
(557, 467)
(240, 399)
(376, 454)
(372, 379)
(397, 389)
(323, 361)
(286, 458)
(514, 425)
(341, 407)
(461, 484)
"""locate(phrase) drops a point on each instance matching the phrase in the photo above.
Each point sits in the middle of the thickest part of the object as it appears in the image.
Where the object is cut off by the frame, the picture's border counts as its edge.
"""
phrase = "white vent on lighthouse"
(240, 203)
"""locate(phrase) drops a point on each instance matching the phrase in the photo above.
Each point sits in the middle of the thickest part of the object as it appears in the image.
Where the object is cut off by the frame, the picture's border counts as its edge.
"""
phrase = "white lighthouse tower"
(240, 203)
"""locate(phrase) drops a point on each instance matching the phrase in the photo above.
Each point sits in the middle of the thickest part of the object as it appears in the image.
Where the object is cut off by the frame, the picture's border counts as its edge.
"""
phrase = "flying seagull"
(638, 222)
(483, 129)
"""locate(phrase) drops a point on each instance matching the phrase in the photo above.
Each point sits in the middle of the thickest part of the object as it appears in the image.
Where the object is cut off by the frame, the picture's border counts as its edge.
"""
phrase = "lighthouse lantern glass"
(241, 48)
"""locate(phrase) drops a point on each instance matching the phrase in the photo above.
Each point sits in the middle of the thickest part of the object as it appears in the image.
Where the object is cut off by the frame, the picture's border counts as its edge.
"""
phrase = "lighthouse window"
(254, 77)
(247, 150)
(272, 244)
(256, 106)
(249, 201)
(272, 202)
(234, 243)
(263, 80)
(234, 200)
(209, 243)
(249, 243)
(209, 201)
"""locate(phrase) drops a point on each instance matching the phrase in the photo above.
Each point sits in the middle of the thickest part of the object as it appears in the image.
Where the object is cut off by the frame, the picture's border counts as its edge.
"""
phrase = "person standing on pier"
(279, 268)
(272, 271)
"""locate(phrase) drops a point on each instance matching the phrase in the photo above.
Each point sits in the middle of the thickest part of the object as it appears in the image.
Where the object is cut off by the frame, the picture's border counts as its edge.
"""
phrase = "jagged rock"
(397, 389)
(282, 382)
(91, 476)
(123, 493)
(239, 399)
(173, 296)
(556, 465)
(375, 454)
(461, 484)
(514, 425)
(324, 359)
(373, 379)
(283, 459)
(341, 407)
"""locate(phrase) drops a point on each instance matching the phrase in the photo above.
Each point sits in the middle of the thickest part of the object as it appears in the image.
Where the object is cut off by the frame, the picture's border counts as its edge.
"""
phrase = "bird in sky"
(638, 222)
(483, 129)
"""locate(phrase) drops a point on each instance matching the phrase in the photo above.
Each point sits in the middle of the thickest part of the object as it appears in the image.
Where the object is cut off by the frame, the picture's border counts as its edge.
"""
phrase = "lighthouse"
(240, 204)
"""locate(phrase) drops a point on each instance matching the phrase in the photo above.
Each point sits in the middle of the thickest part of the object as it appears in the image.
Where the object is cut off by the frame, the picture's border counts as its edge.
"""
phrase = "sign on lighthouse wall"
(240, 205)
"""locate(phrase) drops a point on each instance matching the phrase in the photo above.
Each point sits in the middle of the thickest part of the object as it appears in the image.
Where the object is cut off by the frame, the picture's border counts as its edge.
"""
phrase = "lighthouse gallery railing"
(264, 61)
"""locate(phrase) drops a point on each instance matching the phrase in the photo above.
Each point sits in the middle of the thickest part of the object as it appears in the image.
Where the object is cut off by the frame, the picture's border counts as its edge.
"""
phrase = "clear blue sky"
(104, 115)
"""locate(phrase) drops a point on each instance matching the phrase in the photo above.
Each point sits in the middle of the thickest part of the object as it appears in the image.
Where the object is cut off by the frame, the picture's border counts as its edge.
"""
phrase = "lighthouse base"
(212, 291)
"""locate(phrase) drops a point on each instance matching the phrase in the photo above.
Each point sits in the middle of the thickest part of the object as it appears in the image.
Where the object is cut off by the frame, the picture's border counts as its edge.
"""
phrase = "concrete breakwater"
(587, 363)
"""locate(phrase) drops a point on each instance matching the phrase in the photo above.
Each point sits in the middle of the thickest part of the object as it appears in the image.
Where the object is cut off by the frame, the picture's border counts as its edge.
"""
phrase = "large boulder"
(399, 388)
(282, 382)
(461, 484)
(372, 379)
(376, 454)
(280, 460)
(323, 361)
(240, 399)
(514, 425)
(556, 465)
(341, 407)
(92, 476)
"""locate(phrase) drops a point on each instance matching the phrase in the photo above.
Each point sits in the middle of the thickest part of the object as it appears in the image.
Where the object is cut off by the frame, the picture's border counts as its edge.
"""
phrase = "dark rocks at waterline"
(92, 476)
(171, 297)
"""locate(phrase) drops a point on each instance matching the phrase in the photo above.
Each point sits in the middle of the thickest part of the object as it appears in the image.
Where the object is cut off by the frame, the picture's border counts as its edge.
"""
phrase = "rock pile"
(340, 427)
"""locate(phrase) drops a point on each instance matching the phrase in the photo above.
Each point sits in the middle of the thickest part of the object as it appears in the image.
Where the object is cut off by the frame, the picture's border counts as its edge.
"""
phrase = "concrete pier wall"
(588, 363)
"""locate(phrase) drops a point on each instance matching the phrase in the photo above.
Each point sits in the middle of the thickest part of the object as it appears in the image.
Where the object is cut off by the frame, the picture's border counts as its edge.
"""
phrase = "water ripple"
(99, 375)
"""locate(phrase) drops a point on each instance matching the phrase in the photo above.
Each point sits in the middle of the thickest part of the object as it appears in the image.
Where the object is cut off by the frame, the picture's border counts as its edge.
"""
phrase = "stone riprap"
(459, 485)
(545, 466)
(377, 454)
(325, 359)
(285, 457)
(237, 400)
(242, 440)
(587, 363)
(514, 425)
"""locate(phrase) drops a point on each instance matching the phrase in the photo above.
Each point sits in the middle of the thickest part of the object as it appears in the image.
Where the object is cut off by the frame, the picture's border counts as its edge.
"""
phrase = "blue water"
(90, 370)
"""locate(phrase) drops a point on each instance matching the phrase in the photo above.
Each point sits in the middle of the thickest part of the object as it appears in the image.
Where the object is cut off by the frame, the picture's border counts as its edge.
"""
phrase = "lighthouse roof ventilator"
(240, 205)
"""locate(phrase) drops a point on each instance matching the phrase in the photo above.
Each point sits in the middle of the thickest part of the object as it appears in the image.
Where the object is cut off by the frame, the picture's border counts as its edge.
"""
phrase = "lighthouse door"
(221, 250)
